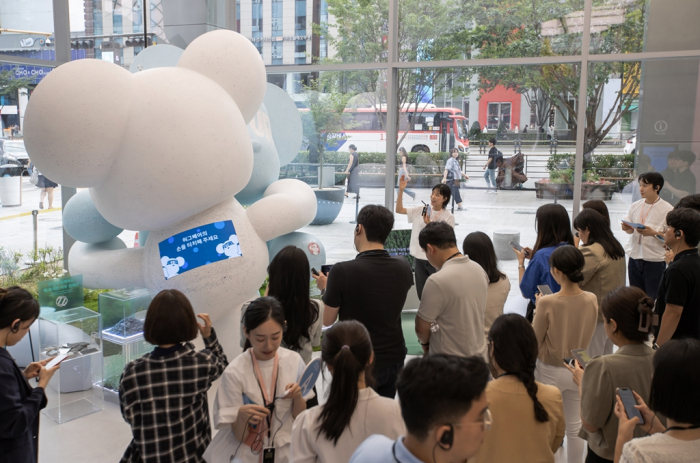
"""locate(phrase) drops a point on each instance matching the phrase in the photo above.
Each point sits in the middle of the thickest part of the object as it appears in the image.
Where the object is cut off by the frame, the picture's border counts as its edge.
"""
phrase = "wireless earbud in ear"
(447, 438)
(15, 327)
(678, 233)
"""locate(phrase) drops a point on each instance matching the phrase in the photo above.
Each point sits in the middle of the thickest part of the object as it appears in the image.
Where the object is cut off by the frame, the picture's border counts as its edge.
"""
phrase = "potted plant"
(560, 183)
(323, 127)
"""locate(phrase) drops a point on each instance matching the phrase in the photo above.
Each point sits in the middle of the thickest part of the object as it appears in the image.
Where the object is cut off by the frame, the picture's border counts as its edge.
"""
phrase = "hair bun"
(645, 305)
(576, 276)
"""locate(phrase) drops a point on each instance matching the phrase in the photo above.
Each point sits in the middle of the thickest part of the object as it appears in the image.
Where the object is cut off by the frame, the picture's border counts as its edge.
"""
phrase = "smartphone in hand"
(314, 271)
(326, 269)
(581, 356)
(629, 402)
(516, 246)
(544, 289)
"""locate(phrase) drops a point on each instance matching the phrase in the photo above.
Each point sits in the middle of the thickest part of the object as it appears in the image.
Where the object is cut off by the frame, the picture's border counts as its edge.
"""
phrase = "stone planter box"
(545, 190)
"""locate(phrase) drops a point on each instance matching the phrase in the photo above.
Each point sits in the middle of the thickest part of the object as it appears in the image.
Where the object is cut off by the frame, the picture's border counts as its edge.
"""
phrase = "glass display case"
(123, 313)
(74, 390)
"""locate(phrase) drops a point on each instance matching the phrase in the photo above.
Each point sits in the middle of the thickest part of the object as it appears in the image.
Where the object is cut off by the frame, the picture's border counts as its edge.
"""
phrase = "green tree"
(514, 30)
(428, 31)
(11, 86)
(324, 119)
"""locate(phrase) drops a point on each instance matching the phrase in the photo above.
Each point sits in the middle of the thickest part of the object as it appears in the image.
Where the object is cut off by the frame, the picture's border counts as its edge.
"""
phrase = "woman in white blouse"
(353, 411)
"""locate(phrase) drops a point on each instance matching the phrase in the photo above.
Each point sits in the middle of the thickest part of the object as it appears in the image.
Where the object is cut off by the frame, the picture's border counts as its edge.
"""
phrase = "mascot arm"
(105, 268)
(287, 205)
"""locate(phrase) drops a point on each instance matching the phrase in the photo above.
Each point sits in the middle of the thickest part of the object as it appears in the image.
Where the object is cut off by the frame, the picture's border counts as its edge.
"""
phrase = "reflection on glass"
(27, 29)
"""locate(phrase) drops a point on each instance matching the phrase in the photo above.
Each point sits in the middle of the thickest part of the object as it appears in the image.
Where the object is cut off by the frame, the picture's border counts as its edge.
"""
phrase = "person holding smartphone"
(420, 216)
(627, 312)
(19, 402)
(565, 321)
(674, 394)
(553, 230)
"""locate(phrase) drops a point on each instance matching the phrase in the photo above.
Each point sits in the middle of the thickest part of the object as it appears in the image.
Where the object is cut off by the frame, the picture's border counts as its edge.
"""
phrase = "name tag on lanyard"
(269, 455)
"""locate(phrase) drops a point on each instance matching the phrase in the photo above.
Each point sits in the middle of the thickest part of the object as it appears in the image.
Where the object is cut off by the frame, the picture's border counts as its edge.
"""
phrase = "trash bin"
(11, 185)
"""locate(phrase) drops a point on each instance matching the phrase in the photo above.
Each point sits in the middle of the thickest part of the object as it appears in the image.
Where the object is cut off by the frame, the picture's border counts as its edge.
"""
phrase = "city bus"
(432, 130)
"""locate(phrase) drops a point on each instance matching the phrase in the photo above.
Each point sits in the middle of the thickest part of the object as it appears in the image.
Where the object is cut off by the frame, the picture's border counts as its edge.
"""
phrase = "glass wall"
(462, 73)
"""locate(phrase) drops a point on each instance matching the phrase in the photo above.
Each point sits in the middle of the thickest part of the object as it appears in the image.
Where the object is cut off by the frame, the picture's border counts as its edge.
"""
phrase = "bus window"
(461, 129)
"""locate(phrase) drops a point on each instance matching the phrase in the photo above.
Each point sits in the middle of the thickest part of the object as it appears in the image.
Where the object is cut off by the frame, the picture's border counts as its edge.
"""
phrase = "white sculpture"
(89, 124)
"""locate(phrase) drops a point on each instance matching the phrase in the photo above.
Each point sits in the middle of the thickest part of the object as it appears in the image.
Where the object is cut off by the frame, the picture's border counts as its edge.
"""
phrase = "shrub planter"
(329, 203)
(547, 190)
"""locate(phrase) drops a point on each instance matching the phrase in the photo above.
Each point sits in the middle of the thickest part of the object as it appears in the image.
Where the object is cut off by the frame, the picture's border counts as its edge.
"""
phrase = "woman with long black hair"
(553, 230)
(605, 269)
(528, 415)
(19, 402)
(353, 411)
(479, 248)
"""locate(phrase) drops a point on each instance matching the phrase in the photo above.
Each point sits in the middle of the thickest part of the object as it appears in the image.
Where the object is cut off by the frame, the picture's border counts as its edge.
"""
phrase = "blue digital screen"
(199, 246)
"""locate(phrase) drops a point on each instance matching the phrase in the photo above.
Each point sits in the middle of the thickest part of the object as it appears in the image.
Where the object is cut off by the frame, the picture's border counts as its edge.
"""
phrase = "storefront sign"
(281, 39)
(62, 293)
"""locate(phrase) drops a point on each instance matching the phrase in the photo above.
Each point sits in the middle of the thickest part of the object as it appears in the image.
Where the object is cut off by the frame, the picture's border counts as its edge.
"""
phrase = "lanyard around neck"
(644, 217)
(267, 398)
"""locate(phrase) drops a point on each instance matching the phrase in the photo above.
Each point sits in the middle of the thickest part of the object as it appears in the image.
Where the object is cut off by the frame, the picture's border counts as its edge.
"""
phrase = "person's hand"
(647, 414)
(32, 370)
(648, 231)
(627, 228)
(321, 280)
(527, 251)
(625, 427)
(294, 391)
(538, 296)
(576, 372)
(426, 349)
(346, 172)
(206, 328)
(485, 166)
(403, 182)
(466, 177)
(444, 180)
(426, 219)
(408, 178)
(668, 256)
(253, 414)
(45, 375)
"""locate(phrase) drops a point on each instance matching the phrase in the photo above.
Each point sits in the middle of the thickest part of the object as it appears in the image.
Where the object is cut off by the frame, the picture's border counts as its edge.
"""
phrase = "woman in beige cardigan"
(604, 270)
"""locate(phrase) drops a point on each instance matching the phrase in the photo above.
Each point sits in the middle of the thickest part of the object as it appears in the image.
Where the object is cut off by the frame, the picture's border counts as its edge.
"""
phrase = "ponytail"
(514, 348)
(346, 350)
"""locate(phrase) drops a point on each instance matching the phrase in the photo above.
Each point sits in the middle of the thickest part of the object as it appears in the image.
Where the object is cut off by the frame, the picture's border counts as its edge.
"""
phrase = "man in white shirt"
(454, 298)
(435, 212)
(443, 403)
(646, 252)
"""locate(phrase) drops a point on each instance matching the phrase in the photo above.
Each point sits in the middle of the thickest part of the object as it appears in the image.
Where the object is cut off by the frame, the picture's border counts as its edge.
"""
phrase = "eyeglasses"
(485, 423)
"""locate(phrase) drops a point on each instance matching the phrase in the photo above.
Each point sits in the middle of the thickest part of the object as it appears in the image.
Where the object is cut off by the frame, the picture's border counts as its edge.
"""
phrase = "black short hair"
(170, 319)
(687, 220)
(377, 221)
(492, 141)
(684, 155)
(439, 234)
(17, 303)
(676, 381)
(439, 389)
(690, 201)
(654, 179)
(445, 192)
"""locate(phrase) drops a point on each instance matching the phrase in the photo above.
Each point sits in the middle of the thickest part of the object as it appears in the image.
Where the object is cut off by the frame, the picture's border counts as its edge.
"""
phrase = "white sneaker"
(495, 192)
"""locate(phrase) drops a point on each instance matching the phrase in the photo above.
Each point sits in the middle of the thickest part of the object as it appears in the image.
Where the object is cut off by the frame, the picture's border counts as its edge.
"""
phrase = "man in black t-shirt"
(678, 301)
(372, 289)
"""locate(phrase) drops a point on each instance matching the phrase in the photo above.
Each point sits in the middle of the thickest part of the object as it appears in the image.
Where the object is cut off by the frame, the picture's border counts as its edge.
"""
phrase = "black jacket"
(19, 414)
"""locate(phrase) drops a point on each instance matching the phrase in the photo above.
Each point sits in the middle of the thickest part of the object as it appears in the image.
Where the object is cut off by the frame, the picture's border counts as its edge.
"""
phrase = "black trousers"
(592, 457)
(385, 380)
(646, 275)
(423, 271)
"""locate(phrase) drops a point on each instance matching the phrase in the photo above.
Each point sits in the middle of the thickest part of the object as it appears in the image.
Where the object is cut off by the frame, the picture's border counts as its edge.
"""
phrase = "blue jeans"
(646, 275)
(490, 175)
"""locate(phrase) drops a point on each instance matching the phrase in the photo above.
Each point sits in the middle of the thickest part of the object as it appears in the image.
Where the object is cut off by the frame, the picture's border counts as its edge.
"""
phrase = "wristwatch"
(521, 266)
